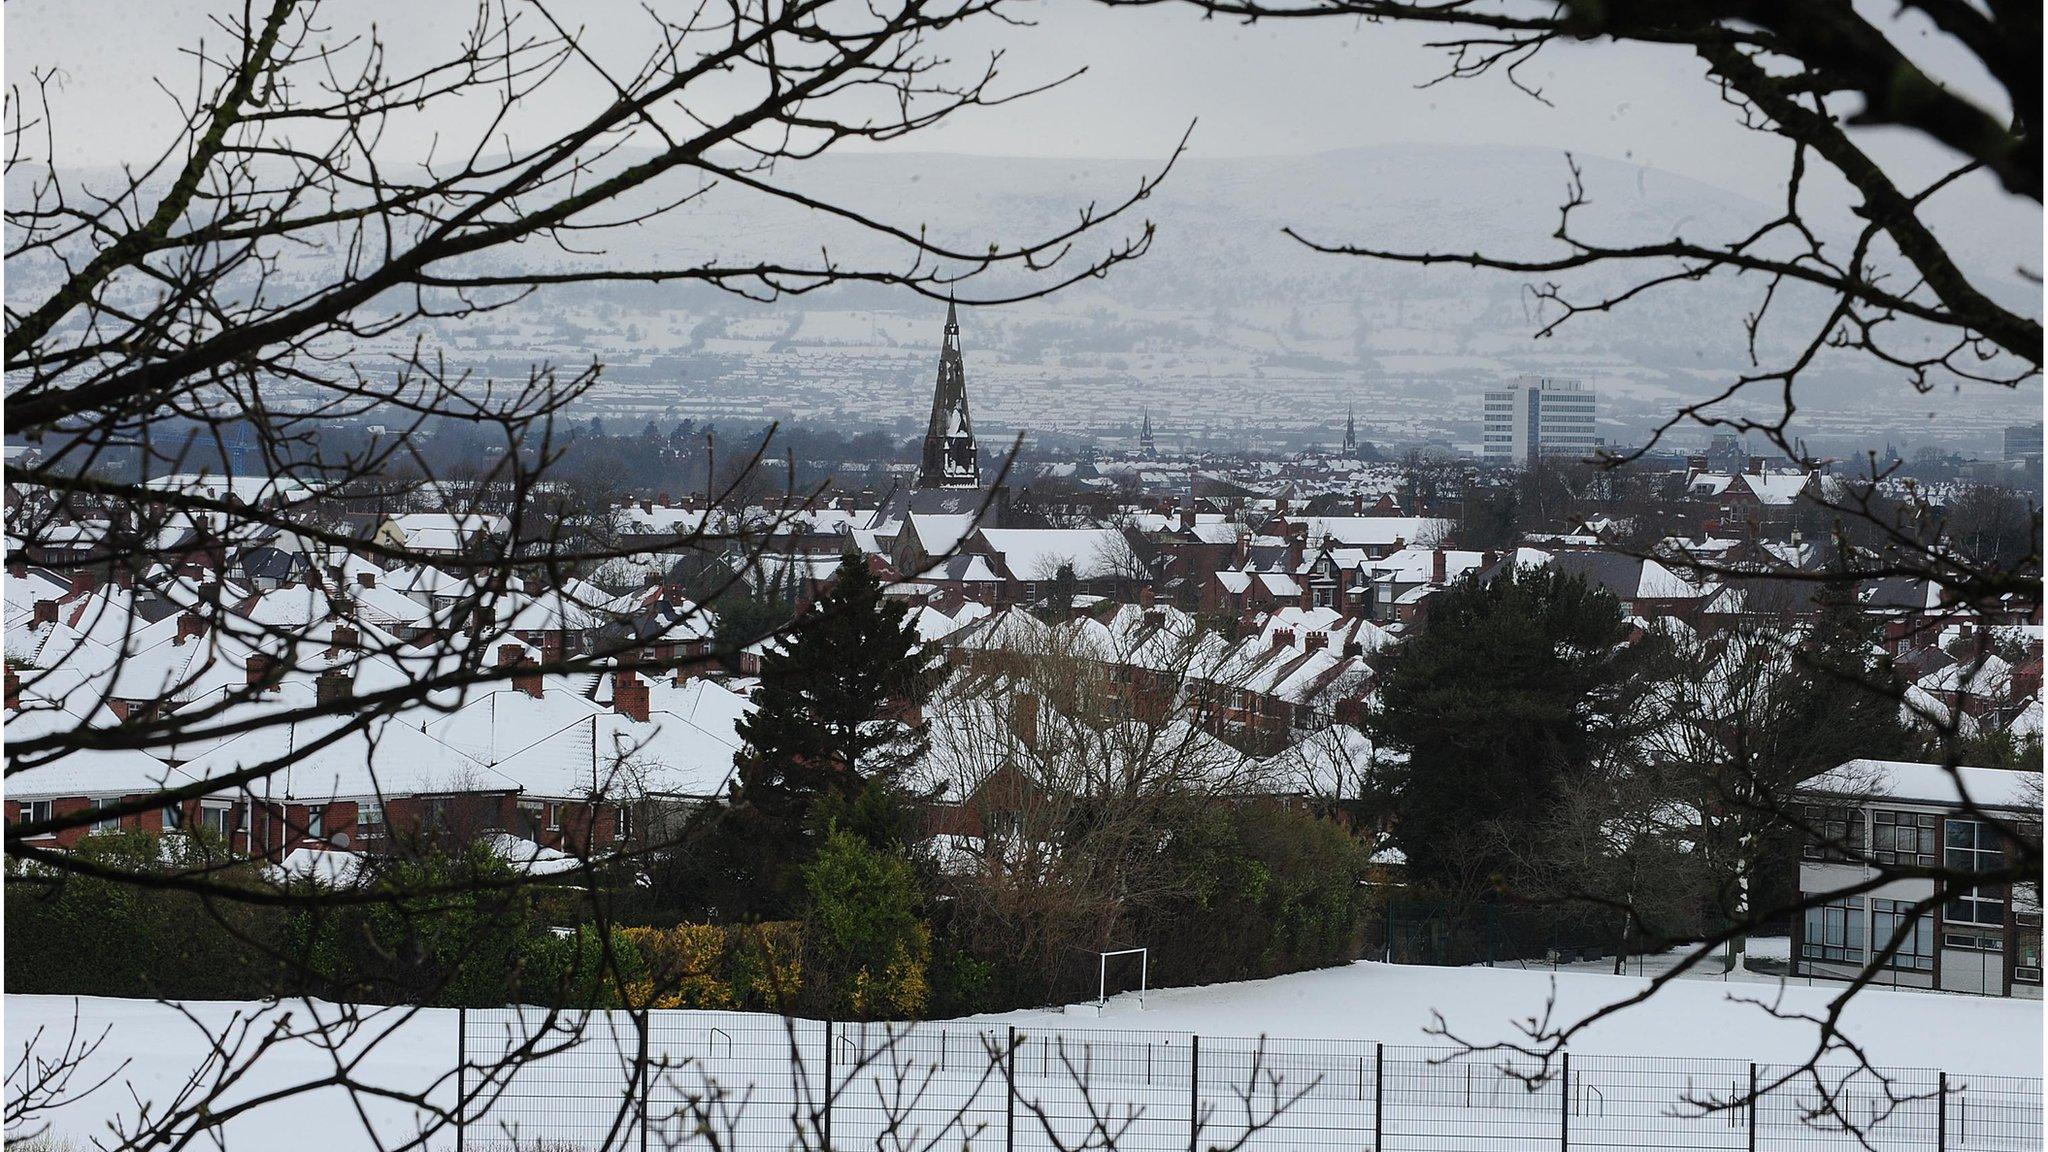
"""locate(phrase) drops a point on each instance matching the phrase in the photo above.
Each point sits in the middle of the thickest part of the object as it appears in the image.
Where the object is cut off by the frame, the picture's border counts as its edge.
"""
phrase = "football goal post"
(1144, 956)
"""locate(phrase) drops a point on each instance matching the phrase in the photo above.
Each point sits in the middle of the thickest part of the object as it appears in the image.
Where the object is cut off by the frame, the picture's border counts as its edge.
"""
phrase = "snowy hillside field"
(1969, 1038)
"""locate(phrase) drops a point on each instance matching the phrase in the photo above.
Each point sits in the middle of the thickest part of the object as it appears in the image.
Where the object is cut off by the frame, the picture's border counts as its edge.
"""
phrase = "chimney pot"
(366, 579)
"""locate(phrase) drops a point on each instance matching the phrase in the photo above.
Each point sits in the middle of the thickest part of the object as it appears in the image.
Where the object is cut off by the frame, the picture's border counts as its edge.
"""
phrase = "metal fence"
(720, 1081)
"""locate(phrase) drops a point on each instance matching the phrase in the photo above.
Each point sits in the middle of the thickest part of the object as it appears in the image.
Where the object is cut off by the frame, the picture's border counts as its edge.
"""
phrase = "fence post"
(1194, 1092)
(644, 1092)
(461, 1072)
(826, 1125)
(1752, 1106)
(1379, 1094)
(1564, 1128)
(1010, 1088)
(1941, 1111)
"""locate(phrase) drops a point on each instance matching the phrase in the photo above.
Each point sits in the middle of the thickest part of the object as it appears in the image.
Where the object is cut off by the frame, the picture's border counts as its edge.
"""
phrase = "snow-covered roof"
(1921, 783)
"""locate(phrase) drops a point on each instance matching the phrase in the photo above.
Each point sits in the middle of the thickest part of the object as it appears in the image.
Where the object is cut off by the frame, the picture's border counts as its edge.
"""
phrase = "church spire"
(950, 460)
(1145, 436)
(1350, 431)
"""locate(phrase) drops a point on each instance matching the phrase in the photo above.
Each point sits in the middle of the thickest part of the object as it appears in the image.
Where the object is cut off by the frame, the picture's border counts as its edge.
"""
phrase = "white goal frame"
(1102, 973)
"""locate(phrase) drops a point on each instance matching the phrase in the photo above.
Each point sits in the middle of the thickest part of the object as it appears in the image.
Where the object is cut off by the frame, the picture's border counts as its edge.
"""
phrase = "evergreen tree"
(1514, 687)
(1845, 691)
(836, 720)
(1064, 587)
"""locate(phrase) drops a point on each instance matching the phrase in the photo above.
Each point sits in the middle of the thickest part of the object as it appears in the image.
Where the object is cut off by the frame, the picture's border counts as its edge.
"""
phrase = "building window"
(35, 811)
(316, 823)
(105, 824)
(554, 817)
(1916, 952)
(1837, 833)
(174, 817)
(214, 820)
(1972, 846)
(370, 818)
(625, 821)
(2026, 953)
(1973, 941)
(1834, 931)
(532, 816)
(1902, 837)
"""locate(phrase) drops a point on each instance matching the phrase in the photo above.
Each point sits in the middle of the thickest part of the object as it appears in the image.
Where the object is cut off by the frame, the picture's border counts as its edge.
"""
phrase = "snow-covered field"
(1136, 1058)
(1692, 1017)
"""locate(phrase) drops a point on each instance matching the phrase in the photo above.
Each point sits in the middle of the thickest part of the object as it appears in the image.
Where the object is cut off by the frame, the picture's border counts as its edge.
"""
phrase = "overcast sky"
(1276, 88)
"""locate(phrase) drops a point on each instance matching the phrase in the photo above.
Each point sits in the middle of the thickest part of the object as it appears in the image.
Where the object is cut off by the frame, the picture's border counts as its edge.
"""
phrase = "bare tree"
(185, 335)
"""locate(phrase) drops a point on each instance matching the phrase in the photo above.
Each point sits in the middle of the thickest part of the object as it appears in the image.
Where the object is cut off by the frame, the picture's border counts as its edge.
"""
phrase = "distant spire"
(1350, 431)
(950, 460)
(1145, 435)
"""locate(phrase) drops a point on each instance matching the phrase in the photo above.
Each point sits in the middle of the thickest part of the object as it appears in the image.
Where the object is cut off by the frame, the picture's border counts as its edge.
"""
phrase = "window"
(2027, 956)
(1837, 833)
(1973, 941)
(554, 816)
(1916, 951)
(1902, 837)
(174, 817)
(216, 820)
(33, 811)
(370, 818)
(316, 823)
(1834, 931)
(1973, 847)
(625, 821)
(105, 824)
(532, 817)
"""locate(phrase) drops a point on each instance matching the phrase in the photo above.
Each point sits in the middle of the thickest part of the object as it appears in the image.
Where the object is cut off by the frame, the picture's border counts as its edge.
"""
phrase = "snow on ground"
(571, 1100)
(1392, 1003)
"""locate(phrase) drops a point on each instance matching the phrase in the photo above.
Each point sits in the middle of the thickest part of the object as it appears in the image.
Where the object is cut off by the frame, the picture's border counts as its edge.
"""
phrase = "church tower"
(950, 460)
(1145, 444)
(1350, 431)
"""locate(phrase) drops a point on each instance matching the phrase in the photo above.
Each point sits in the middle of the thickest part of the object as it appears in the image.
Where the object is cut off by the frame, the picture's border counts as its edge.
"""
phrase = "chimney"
(1316, 640)
(1696, 463)
(1756, 466)
(13, 689)
(46, 612)
(524, 676)
(1358, 503)
(1024, 717)
(190, 626)
(1280, 506)
(81, 581)
(1155, 617)
(18, 569)
(345, 638)
(1436, 566)
(1187, 517)
(335, 688)
(1353, 648)
(366, 579)
(1297, 547)
(260, 668)
(629, 696)
(1283, 637)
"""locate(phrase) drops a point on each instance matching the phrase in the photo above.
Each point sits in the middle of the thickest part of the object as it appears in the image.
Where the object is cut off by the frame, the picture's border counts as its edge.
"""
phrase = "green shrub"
(867, 947)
